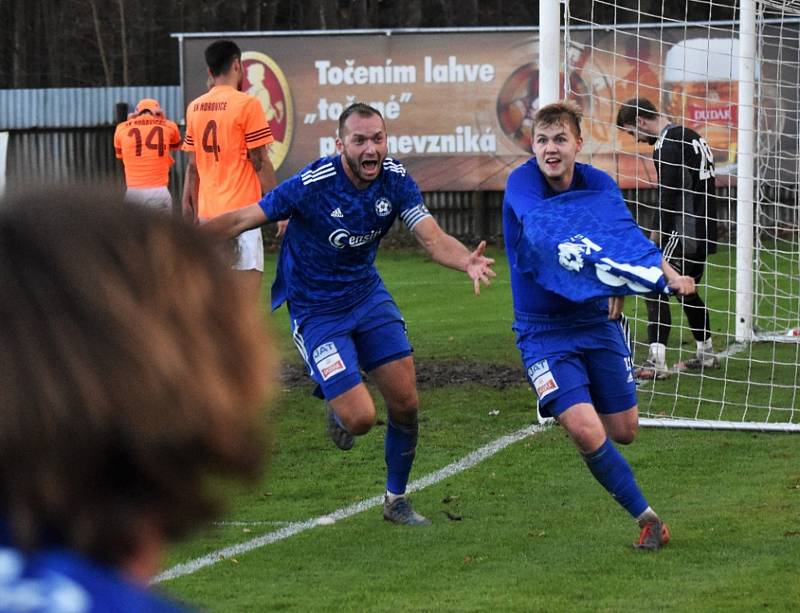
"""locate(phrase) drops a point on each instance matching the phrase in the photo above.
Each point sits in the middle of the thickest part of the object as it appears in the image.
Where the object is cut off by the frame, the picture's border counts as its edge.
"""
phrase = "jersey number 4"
(210, 144)
(153, 140)
(706, 169)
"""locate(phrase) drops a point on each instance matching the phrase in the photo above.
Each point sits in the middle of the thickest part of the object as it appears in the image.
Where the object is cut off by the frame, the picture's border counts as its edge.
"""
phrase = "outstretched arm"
(235, 222)
(449, 251)
(259, 158)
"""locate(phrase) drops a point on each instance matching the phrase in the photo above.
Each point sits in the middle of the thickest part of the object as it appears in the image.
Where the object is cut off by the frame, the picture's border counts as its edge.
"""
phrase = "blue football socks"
(613, 472)
(400, 447)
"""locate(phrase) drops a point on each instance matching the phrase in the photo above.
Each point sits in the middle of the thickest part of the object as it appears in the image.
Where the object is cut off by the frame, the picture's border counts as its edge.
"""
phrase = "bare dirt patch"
(435, 373)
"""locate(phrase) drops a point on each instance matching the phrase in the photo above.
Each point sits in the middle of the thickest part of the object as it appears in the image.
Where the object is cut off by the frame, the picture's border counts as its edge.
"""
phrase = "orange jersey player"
(143, 143)
(229, 167)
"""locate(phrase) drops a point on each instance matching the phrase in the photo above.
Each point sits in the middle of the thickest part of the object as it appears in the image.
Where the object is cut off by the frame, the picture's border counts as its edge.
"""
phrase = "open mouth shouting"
(370, 167)
(363, 147)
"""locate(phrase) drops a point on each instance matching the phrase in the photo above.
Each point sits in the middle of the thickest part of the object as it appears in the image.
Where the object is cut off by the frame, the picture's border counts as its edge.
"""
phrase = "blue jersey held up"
(574, 247)
(327, 259)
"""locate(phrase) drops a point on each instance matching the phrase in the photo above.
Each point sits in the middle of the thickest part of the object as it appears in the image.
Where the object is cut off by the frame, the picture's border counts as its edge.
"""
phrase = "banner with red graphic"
(459, 104)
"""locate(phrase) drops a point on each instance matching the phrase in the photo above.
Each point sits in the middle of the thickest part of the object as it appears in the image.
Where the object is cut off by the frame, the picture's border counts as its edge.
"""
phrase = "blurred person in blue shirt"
(125, 386)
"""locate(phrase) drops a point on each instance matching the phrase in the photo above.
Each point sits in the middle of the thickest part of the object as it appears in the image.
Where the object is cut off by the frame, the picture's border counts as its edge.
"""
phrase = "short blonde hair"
(564, 113)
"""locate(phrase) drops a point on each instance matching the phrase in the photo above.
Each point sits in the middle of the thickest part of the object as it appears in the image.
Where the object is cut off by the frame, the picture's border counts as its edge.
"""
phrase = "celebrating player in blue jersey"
(575, 352)
(343, 318)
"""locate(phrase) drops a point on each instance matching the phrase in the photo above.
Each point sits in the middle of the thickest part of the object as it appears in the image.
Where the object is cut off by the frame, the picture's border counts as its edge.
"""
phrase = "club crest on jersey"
(571, 252)
(383, 207)
(570, 256)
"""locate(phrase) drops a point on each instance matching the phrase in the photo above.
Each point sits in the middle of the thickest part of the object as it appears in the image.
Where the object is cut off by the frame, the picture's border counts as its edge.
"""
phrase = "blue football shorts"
(336, 346)
(566, 365)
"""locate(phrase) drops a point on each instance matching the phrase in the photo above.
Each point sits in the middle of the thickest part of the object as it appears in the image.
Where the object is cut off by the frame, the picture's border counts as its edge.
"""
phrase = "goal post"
(549, 52)
(745, 176)
(729, 70)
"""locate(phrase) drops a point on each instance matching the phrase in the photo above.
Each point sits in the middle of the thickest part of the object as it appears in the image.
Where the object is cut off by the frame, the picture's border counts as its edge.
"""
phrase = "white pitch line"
(237, 524)
(468, 461)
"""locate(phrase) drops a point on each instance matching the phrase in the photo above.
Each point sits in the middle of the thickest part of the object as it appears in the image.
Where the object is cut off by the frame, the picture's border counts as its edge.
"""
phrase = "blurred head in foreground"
(127, 383)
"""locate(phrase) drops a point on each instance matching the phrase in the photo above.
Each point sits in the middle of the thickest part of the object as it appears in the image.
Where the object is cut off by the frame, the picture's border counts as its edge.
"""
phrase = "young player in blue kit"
(575, 353)
(343, 318)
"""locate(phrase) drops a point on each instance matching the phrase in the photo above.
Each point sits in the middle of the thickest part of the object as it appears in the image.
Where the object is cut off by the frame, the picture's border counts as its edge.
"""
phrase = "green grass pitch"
(527, 529)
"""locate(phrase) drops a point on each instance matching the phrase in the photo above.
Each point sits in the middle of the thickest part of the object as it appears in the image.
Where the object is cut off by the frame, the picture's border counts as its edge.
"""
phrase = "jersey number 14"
(153, 140)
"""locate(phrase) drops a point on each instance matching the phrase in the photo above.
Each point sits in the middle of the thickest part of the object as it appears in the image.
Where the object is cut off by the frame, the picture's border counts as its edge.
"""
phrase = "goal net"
(729, 70)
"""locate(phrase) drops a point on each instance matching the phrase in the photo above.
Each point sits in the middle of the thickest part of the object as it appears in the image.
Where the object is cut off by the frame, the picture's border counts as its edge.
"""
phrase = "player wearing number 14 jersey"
(229, 167)
(685, 227)
(143, 143)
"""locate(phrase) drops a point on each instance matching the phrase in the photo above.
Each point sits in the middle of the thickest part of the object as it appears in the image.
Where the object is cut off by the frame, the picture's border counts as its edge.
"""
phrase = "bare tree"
(268, 15)
(414, 13)
(359, 13)
(100, 45)
(57, 43)
(468, 13)
(123, 43)
(17, 45)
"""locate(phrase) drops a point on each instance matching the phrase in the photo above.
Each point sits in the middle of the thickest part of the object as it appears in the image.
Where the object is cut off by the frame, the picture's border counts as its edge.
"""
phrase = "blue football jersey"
(526, 189)
(327, 259)
(59, 580)
(583, 243)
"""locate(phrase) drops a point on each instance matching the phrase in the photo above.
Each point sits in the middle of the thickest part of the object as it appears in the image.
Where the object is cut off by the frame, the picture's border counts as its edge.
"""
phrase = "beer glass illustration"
(701, 92)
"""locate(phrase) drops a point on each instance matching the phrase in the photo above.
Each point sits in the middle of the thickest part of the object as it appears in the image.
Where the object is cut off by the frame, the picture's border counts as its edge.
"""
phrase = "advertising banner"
(459, 104)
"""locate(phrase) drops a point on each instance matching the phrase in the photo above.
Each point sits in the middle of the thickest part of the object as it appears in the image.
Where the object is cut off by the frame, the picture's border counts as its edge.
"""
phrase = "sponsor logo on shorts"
(537, 369)
(330, 366)
(323, 351)
(545, 384)
(383, 207)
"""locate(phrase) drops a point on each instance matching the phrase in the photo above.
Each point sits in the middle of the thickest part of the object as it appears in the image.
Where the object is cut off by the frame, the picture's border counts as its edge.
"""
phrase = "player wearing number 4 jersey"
(143, 143)
(343, 318)
(229, 167)
(685, 227)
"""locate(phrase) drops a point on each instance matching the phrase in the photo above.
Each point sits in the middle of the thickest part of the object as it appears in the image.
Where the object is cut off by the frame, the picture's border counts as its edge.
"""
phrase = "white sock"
(647, 515)
(392, 497)
(704, 348)
(658, 354)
